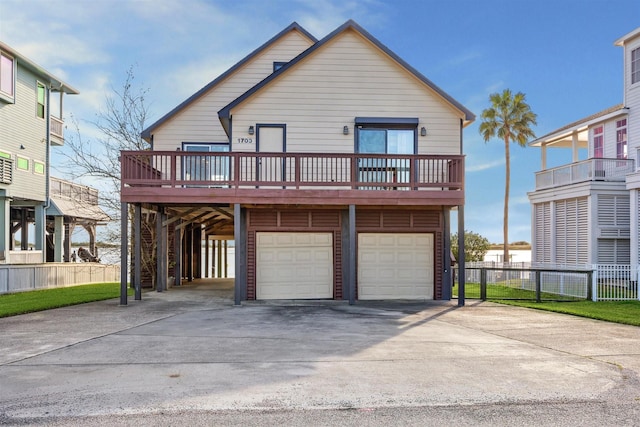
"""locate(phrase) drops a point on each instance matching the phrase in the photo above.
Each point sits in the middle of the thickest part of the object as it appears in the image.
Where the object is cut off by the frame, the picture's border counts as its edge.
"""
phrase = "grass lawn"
(626, 312)
(30, 301)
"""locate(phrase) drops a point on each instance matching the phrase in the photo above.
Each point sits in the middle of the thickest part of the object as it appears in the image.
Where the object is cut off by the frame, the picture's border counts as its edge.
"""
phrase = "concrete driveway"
(189, 357)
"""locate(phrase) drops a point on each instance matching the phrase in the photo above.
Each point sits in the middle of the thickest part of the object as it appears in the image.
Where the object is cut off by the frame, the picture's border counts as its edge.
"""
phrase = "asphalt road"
(189, 357)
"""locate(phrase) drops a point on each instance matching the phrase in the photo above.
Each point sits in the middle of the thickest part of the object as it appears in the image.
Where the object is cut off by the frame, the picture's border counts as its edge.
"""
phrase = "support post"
(58, 235)
(219, 244)
(124, 249)
(226, 259)
(352, 254)
(239, 235)
(40, 226)
(207, 271)
(177, 242)
(461, 264)
(447, 282)
(137, 251)
(538, 286)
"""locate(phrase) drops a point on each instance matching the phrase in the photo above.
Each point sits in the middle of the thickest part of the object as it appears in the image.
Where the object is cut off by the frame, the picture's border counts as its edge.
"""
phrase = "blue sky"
(560, 53)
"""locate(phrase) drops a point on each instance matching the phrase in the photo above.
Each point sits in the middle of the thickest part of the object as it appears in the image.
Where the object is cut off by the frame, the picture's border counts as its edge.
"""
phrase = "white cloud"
(484, 166)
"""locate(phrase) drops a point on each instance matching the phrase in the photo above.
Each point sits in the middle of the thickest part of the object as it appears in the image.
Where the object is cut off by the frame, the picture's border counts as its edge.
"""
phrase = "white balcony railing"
(586, 170)
(56, 127)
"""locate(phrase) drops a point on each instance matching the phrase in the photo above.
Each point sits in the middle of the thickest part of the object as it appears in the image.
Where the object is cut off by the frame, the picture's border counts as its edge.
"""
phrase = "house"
(31, 201)
(587, 212)
(332, 164)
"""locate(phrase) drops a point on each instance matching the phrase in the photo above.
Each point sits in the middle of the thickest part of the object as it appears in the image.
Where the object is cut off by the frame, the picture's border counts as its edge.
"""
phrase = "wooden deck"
(176, 177)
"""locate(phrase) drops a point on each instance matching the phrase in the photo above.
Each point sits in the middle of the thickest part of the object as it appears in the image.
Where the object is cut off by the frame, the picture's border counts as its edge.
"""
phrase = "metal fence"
(549, 282)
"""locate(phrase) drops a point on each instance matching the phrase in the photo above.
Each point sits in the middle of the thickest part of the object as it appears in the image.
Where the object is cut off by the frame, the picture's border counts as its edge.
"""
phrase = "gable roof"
(224, 113)
(631, 35)
(559, 136)
(56, 83)
(146, 134)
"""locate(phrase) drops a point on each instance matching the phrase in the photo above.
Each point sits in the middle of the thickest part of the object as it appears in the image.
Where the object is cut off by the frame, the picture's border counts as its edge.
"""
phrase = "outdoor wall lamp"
(22, 147)
(423, 131)
(345, 130)
(251, 130)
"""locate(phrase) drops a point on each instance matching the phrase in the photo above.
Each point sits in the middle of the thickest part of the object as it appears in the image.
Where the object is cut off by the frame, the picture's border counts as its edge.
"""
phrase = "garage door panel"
(294, 265)
(395, 265)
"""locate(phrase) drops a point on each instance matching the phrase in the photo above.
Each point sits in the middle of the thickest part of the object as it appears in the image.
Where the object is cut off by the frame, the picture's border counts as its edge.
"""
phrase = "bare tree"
(119, 124)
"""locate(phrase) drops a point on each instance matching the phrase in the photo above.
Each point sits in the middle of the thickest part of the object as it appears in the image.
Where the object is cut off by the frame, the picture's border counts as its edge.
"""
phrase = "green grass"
(45, 299)
(472, 290)
(625, 312)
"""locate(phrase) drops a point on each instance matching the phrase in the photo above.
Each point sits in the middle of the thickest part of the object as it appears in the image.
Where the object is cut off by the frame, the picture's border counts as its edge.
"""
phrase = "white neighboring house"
(515, 256)
(586, 212)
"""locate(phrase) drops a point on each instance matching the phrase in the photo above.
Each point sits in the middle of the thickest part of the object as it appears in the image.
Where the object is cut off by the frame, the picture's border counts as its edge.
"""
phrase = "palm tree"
(509, 118)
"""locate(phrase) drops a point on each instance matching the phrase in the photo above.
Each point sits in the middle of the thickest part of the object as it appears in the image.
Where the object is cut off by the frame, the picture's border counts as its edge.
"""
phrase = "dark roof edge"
(146, 134)
(224, 112)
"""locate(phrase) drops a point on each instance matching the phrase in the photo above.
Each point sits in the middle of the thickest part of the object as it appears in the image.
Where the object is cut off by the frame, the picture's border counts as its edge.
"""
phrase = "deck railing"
(56, 126)
(586, 170)
(175, 169)
(72, 191)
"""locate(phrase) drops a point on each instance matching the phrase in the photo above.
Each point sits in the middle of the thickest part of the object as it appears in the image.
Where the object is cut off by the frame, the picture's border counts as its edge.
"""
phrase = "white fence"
(17, 278)
(615, 282)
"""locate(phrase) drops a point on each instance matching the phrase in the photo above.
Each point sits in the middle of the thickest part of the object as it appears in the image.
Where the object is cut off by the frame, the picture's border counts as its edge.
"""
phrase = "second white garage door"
(294, 265)
(395, 266)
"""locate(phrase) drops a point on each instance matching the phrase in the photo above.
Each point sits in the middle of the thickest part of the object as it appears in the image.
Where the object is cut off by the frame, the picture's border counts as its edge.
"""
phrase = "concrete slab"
(190, 351)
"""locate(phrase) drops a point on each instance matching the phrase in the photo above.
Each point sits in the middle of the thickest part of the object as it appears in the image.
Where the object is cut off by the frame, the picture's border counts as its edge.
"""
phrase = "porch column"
(189, 249)
(574, 146)
(543, 156)
(5, 228)
(240, 237)
(226, 259)
(446, 276)
(161, 252)
(461, 266)
(137, 251)
(24, 230)
(197, 251)
(219, 258)
(67, 242)
(352, 254)
(40, 226)
(177, 241)
(206, 256)
(124, 249)
(58, 235)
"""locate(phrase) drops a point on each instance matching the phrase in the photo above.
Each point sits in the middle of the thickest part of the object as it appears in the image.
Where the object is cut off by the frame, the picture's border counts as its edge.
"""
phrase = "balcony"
(76, 192)
(291, 178)
(56, 131)
(613, 170)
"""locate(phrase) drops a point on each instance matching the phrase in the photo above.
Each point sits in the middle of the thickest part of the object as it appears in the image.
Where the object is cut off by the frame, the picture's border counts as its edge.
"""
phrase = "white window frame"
(621, 139)
(44, 100)
(635, 66)
(598, 136)
(10, 97)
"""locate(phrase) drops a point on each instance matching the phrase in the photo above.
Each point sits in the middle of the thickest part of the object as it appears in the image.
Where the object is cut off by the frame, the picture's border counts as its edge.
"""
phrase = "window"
(22, 163)
(7, 80)
(598, 142)
(40, 108)
(621, 139)
(277, 65)
(635, 66)
(5, 155)
(377, 138)
(204, 164)
(38, 167)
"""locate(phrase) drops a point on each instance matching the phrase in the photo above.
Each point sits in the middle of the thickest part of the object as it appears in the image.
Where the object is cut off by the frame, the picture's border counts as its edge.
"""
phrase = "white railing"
(615, 282)
(17, 278)
(586, 170)
(56, 126)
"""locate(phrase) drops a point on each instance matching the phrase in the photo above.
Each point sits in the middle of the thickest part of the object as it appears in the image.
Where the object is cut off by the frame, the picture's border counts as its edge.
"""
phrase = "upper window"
(41, 98)
(621, 139)
(598, 142)
(635, 66)
(7, 78)
(277, 65)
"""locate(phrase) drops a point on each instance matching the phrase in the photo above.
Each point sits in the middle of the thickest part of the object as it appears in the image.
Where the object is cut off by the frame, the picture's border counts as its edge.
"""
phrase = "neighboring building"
(30, 124)
(332, 163)
(587, 212)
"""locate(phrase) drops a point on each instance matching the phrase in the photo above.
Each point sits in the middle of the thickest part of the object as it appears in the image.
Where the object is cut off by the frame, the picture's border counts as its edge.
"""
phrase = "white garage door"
(395, 266)
(294, 265)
